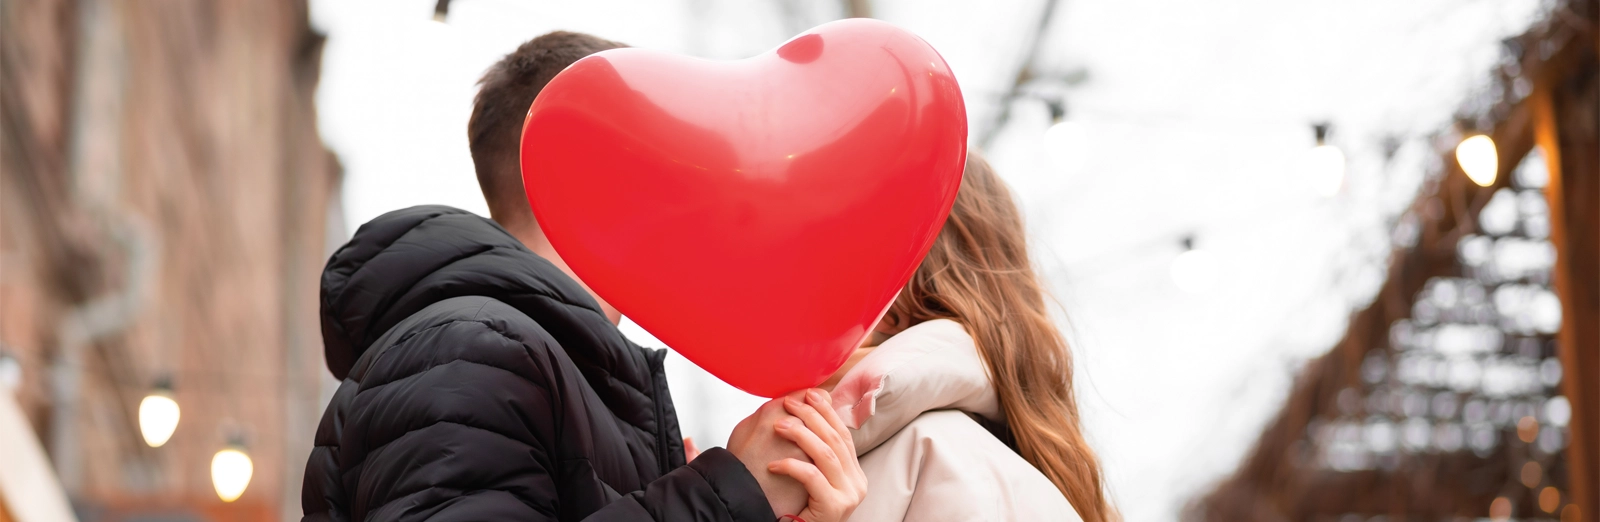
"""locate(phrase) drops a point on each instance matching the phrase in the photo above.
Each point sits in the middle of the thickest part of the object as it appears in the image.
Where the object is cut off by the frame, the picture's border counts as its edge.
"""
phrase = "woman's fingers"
(826, 502)
(824, 405)
(833, 481)
(810, 409)
(807, 474)
(852, 484)
(818, 414)
(820, 452)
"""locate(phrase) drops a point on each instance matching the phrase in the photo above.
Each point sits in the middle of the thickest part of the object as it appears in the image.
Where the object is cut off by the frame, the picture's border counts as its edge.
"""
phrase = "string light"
(158, 414)
(1478, 159)
(231, 469)
(1324, 164)
(1194, 270)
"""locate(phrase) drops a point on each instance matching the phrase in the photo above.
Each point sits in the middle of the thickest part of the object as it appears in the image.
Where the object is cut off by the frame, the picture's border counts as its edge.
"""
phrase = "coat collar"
(930, 366)
(408, 259)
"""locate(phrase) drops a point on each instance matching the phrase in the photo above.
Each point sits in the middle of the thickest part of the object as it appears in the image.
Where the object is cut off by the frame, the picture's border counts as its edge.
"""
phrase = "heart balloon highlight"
(756, 215)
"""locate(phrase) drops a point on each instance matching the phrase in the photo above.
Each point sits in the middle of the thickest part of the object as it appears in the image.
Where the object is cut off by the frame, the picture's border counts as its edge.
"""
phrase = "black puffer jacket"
(481, 383)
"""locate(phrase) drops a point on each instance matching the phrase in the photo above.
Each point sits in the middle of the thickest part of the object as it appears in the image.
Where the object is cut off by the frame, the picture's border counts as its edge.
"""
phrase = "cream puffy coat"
(908, 404)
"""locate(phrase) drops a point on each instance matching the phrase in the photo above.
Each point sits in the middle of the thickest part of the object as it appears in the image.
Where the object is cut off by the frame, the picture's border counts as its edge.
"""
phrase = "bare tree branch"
(858, 8)
(1024, 74)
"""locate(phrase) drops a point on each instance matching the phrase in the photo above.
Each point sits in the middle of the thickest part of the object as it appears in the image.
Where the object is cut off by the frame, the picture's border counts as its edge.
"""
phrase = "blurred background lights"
(1549, 499)
(1500, 509)
(1065, 142)
(1479, 159)
(1551, 441)
(1532, 172)
(1527, 428)
(1449, 437)
(1532, 474)
(1557, 411)
(1194, 270)
(158, 414)
(1324, 164)
(1550, 372)
(1482, 439)
(10, 372)
(231, 469)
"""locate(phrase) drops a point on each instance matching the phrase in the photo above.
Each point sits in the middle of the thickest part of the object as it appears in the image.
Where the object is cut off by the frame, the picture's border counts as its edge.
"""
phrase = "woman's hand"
(833, 479)
(756, 442)
(690, 451)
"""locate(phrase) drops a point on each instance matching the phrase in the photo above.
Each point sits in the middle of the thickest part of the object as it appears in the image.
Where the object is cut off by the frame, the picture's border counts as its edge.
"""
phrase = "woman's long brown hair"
(978, 273)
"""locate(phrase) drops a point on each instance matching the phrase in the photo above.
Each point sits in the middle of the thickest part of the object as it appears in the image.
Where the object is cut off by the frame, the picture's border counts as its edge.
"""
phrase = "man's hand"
(756, 443)
(833, 479)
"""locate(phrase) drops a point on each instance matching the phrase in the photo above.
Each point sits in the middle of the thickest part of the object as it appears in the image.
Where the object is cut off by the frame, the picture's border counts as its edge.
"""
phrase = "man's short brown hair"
(504, 95)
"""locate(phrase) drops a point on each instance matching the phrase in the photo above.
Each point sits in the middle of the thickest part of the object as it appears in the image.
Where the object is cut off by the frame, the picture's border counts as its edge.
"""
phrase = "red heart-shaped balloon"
(756, 215)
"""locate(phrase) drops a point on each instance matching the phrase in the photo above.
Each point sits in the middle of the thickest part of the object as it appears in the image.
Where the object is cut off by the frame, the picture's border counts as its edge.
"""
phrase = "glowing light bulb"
(1066, 142)
(158, 417)
(1195, 271)
(1479, 159)
(1324, 166)
(230, 473)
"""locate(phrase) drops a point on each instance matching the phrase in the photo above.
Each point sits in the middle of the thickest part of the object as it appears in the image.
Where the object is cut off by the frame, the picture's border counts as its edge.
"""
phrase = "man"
(483, 381)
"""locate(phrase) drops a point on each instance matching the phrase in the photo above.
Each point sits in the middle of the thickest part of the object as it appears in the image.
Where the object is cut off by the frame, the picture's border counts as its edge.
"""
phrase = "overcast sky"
(1191, 119)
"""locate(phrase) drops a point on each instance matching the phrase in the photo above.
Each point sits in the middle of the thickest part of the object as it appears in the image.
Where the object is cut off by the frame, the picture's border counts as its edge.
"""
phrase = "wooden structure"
(1453, 396)
(163, 206)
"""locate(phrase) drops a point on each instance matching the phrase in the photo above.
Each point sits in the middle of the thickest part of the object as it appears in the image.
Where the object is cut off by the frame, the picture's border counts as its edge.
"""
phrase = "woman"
(964, 408)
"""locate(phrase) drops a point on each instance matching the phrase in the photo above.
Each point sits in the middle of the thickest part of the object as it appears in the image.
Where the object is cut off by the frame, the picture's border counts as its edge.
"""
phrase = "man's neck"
(533, 237)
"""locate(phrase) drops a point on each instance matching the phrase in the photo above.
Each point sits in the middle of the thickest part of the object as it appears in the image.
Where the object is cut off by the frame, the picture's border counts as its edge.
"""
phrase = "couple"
(483, 381)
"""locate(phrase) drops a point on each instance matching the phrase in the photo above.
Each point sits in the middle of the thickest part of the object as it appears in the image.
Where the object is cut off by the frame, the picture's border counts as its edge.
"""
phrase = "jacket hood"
(405, 260)
(931, 366)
